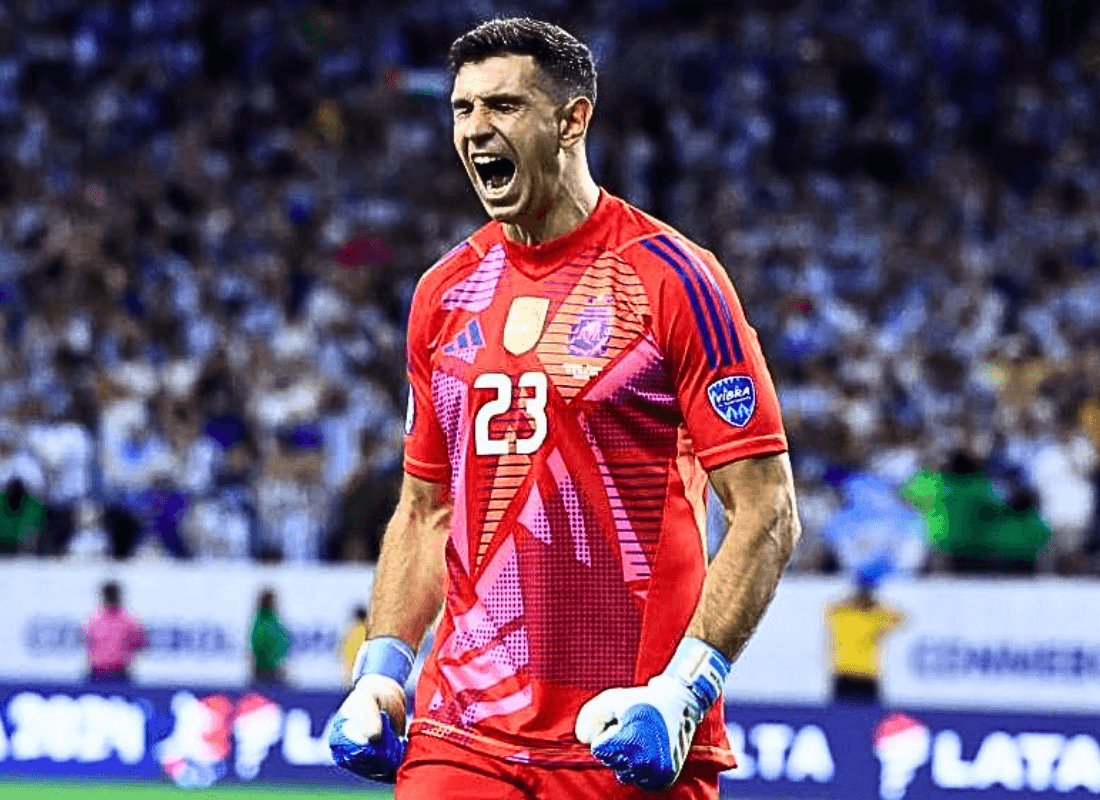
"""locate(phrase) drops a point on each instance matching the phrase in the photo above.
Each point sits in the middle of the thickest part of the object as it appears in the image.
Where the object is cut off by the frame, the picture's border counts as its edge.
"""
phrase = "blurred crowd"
(212, 218)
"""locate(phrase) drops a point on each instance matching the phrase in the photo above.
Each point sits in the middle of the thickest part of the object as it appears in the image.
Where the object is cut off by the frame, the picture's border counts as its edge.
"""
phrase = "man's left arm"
(731, 412)
(644, 733)
(762, 528)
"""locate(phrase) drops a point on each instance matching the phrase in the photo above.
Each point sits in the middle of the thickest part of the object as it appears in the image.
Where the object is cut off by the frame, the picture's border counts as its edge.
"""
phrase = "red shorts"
(435, 769)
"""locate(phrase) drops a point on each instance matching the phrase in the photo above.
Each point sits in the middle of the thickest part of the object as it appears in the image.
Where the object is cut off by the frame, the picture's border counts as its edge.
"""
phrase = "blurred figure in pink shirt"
(112, 638)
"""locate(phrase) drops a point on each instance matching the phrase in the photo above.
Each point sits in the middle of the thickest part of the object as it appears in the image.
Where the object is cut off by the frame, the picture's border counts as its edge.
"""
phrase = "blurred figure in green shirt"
(270, 641)
(968, 521)
(22, 519)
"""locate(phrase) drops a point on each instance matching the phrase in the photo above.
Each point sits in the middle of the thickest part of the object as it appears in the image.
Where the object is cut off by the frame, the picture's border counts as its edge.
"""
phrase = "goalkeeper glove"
(367, 734)
(643, 733)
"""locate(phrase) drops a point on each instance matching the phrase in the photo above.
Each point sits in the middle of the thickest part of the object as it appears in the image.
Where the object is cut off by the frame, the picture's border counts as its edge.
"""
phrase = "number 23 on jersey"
(533, 405)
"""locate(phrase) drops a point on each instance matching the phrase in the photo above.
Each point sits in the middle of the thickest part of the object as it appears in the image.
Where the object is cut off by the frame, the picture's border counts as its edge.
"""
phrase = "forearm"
(408, 582)
(644, 733)
(762, 528)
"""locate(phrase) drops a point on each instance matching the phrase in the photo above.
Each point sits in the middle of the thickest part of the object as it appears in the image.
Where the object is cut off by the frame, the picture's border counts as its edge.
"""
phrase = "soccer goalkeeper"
(577, 371)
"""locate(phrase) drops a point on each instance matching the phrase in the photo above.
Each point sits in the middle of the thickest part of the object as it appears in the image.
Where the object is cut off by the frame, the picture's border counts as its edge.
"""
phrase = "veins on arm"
(408, 581)
(762, 529)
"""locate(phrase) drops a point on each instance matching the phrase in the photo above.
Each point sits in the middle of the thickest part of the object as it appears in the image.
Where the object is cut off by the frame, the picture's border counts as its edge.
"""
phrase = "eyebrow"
(495, 97)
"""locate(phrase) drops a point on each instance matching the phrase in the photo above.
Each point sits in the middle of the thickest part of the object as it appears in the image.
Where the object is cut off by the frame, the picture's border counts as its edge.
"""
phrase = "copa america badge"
(733, 399)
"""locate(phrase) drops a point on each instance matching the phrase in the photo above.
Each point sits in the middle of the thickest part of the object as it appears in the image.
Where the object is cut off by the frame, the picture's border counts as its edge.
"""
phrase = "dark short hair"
(565, 59)
(112, 593)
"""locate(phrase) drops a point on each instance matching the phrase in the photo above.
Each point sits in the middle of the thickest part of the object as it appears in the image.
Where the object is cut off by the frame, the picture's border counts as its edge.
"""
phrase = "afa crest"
(590, 334)
(733, 399)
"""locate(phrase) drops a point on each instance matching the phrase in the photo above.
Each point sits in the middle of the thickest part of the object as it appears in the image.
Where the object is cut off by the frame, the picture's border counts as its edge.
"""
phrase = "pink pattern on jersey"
(449, 397)
(500, 603)
(479, 629)
(637, 385)
(636, 566)
(498, 585)
(483, 709)
(533, 516)
(568, 493)
(483, 671)
(582, 621)
(476, 292)
(627, 373)
(489, 668)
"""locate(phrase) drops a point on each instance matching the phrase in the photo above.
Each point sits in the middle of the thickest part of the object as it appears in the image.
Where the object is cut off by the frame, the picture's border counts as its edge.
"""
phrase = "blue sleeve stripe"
(723, 304)
(693, 298)
(692, 270)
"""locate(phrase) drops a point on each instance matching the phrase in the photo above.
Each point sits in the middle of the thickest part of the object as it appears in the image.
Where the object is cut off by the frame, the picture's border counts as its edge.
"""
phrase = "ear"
(573, 125)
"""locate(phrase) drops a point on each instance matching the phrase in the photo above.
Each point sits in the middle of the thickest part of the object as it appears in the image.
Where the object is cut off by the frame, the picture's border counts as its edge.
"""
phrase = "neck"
(572, 203)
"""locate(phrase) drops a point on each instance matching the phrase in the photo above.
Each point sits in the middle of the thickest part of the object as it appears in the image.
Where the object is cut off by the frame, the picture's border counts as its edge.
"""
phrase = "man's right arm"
(367, 735)
(408, 582)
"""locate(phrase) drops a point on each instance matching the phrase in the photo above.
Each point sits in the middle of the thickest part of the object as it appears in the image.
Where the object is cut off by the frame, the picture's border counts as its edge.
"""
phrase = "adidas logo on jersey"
(467, 343)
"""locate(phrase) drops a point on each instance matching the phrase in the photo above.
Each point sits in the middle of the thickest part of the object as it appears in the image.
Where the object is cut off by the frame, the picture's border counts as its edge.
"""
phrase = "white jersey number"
(533, 406)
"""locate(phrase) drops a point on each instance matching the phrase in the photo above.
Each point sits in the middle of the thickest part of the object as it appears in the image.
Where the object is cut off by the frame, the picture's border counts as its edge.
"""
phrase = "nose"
(479, 125)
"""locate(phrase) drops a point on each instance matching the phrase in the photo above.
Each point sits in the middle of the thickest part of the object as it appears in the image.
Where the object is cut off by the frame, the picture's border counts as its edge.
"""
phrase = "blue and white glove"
(367, 734)
(643, 733)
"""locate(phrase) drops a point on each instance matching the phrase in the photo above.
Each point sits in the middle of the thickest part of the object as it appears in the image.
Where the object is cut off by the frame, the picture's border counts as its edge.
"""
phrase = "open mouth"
(495, 172)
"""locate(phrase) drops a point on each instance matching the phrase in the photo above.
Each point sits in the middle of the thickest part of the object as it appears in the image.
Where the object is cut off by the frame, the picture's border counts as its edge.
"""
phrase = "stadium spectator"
(353, 639)
(857, 625)
(1089, 419)
(18, 462)
(368, 500)
(875, 529)
(269, 641)
(968, 521)
(22, 519)
(112, 637)
(90, 538)
(64, 448)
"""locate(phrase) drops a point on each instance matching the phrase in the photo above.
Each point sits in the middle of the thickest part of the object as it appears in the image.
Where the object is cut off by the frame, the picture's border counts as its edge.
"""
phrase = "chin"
(503, 212)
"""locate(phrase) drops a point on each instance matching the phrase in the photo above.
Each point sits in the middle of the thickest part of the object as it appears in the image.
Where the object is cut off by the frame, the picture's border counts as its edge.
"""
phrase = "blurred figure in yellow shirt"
(857, 626)
(355, 636)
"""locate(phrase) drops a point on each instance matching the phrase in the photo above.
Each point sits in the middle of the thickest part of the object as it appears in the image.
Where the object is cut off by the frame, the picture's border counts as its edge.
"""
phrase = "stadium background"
(212, 217)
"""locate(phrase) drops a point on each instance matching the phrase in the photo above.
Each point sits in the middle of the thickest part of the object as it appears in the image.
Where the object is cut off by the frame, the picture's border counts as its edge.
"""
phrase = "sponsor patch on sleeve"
(733, 399)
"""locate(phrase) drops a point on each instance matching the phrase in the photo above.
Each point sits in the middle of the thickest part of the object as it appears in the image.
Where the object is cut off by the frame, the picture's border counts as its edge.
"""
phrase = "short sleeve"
(722, 382)
(425, 444)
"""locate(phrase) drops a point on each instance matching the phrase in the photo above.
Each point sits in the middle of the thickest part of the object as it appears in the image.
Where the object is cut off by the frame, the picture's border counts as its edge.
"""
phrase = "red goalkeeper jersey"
(572, 395)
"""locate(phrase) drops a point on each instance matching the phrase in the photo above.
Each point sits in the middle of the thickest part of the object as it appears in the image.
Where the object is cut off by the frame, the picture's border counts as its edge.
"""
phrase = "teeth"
(495, 172)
